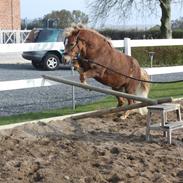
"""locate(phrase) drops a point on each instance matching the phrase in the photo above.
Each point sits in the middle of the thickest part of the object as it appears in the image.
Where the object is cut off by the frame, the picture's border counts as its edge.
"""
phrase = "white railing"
(13, 36)
(39, 82)
(126, 43)
(21, 47)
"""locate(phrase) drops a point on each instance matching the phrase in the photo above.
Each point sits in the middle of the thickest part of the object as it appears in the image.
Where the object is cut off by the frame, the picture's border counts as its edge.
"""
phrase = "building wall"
(10, 14)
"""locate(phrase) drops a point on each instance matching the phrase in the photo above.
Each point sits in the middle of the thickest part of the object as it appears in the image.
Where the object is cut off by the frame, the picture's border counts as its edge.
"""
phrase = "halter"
(76, 42)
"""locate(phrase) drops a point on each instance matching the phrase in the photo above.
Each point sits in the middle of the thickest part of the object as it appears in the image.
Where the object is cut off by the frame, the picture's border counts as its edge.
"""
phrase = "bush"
(132, 34)
(164, 56)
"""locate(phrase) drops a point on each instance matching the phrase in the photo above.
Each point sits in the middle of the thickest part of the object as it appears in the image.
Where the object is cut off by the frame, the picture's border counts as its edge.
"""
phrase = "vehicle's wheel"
(37, 65)
(51, 62)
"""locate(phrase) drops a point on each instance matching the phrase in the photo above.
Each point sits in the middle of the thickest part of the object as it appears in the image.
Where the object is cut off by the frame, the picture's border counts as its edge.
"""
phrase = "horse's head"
(83, 41)
(73, 43)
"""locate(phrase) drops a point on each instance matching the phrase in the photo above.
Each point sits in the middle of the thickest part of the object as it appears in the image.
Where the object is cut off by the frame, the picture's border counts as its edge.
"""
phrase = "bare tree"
(166, 30)
(100, 9)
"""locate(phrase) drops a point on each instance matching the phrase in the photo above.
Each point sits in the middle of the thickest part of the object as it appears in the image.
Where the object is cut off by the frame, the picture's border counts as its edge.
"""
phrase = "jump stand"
(164, 126)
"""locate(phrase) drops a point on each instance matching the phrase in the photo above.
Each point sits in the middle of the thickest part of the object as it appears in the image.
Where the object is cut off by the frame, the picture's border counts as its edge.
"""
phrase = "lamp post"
(151, 56)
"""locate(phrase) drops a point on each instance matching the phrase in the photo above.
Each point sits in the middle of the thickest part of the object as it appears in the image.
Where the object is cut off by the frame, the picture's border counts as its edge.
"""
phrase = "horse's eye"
(71, 44)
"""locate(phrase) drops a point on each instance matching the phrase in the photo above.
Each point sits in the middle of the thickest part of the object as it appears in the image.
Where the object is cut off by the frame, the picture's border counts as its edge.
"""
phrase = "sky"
(38, 8)
(31, 9)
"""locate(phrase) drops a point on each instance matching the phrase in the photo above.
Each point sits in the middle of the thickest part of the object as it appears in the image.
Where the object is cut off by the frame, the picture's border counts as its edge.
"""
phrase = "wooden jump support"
(143, 101)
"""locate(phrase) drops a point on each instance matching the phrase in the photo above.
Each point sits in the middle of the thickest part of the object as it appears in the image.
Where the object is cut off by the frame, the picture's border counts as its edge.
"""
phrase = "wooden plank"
(110, 110)
(102, 90)
(118, 109)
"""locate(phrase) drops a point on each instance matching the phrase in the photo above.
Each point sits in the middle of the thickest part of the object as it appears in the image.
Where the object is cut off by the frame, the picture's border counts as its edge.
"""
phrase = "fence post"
(17, 36)
(1, 37)
(73, 92)
(127, 46)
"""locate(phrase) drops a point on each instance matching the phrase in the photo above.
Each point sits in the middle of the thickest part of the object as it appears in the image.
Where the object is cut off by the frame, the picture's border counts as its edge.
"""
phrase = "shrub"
(164, 56)
(132, 34)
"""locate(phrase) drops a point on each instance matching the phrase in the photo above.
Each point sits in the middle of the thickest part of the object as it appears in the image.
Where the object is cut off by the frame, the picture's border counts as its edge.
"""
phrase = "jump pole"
(117, 109)
(102, 90)
(144, 101)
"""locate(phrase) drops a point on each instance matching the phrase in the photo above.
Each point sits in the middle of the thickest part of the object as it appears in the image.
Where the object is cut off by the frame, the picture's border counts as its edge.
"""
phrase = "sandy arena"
(92, 150)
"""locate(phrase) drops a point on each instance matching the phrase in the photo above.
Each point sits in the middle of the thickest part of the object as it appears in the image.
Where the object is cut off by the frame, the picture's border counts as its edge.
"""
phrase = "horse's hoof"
(123, 117)
(84, 82)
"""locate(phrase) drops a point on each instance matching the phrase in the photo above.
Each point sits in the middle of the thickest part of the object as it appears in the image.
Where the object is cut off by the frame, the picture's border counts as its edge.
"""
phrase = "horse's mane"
(75, 28)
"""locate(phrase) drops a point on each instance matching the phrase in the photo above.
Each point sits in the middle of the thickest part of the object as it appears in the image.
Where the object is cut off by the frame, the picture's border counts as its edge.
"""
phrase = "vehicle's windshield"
(47, 36)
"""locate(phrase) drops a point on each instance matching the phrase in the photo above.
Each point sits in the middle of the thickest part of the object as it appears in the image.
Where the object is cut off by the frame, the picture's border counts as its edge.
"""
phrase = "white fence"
(20, 47)
(39, 82)
(126, 43)
(13, 36)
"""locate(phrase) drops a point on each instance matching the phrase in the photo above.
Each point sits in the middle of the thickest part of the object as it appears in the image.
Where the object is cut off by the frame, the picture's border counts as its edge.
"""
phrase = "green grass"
(174, 90)
(103, 103)
(157, 91)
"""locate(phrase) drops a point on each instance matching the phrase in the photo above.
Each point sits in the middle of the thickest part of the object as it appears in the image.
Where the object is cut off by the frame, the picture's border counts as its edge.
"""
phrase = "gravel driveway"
(38, 99)
(13, 67)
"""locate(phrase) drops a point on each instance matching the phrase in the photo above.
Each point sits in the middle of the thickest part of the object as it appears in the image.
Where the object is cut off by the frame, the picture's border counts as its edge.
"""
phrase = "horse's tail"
(143, 89)
(145, 85)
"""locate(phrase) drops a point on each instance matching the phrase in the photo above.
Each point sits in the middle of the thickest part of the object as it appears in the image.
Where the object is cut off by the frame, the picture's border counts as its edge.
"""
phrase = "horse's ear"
(80, 26)
(75, 32)
(74, 26)
(68, 31)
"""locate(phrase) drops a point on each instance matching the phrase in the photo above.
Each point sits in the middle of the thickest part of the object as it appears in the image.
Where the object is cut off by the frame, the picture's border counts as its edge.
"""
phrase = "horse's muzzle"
(66, 58)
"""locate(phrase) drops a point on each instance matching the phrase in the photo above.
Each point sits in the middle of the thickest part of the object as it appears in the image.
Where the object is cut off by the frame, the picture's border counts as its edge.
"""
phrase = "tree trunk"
(166, 31)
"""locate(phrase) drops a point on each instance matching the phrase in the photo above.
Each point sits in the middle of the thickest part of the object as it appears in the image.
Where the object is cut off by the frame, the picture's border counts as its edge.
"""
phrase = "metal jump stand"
(164, 126)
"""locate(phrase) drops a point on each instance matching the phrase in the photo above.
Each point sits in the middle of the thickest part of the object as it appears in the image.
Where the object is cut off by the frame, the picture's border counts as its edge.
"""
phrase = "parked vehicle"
(48, 60)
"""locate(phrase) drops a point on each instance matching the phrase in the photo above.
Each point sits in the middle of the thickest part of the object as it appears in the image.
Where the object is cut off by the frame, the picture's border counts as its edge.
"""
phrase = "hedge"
(164, 56)
(150, 34)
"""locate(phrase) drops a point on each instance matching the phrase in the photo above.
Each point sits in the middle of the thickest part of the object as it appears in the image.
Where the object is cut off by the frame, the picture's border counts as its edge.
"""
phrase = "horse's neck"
(96, 46)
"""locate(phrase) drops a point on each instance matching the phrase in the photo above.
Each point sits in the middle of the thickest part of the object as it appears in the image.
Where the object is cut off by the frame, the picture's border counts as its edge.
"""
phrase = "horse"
(98, 59)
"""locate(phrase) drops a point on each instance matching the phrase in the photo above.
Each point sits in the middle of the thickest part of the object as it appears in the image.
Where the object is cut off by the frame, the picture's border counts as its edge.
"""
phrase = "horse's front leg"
(81, 75)
(90, 74)
(82, 78)
(80, 70)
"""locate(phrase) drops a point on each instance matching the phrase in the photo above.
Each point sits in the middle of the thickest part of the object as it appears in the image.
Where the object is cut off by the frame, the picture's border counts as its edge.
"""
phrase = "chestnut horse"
(101, 61)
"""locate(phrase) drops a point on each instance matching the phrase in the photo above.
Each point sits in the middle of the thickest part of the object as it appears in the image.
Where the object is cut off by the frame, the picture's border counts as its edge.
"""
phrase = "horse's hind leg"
(127, 113)
(121, 101)
(131, 90)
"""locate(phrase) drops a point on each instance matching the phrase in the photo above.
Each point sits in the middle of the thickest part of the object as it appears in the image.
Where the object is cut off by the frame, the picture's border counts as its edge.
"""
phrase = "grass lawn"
(157, 91)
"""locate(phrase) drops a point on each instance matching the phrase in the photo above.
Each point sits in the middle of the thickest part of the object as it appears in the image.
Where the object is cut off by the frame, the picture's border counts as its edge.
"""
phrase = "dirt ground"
(92, 150)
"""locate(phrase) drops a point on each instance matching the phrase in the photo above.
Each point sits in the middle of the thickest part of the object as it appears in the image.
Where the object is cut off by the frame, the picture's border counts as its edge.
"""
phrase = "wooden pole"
(118, 109)
(102, 90)
(110, 110)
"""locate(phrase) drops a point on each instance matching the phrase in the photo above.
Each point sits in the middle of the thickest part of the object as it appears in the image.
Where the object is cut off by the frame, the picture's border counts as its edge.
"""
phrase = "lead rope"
(124, 75)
